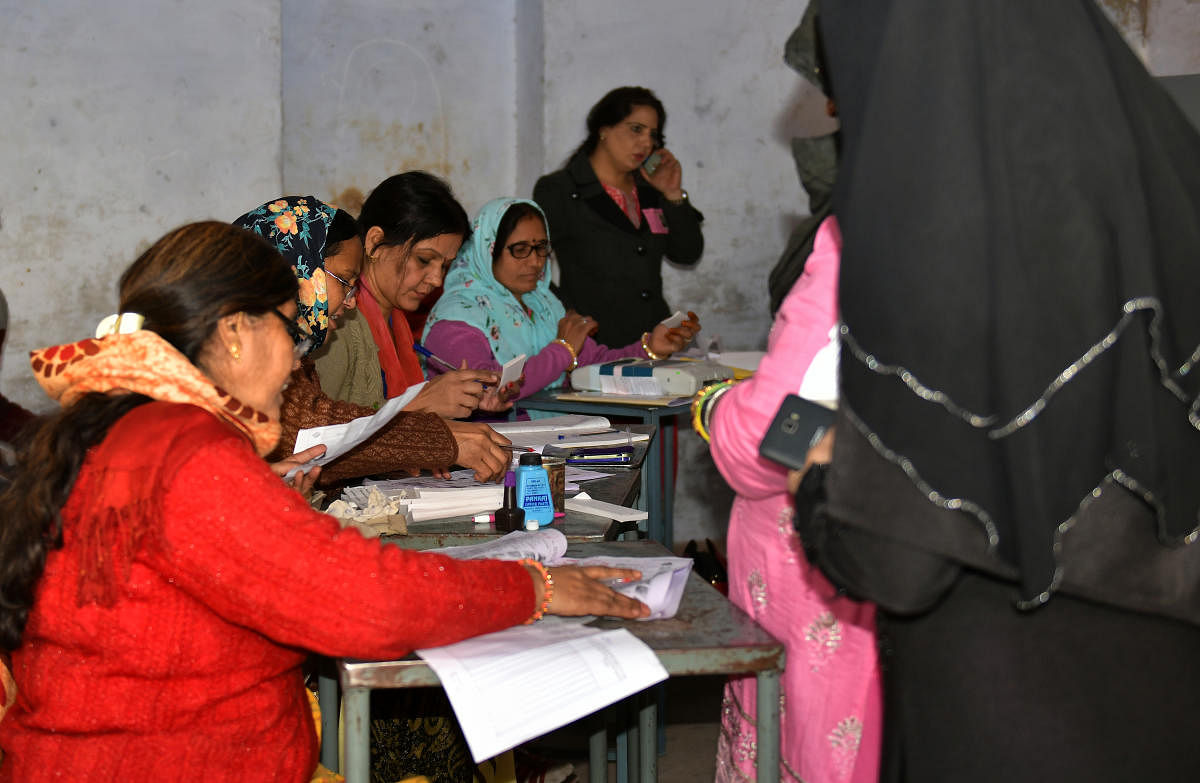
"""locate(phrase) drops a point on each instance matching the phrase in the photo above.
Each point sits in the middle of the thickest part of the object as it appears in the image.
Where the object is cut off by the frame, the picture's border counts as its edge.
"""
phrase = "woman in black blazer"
(612, 219)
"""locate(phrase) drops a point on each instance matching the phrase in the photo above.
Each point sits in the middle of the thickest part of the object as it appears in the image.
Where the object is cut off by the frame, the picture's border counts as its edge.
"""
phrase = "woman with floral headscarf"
(498, 305)
(323, 246)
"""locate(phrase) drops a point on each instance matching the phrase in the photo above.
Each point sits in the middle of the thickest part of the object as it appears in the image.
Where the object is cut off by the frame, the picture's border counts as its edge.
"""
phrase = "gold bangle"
(701, 404)
(646, 347)
(574, 356)
(547, 580)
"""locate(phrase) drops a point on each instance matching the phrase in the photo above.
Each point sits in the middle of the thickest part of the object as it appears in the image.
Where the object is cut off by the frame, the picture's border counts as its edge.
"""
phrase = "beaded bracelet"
(702, 405)
(548, 580)
(646, 347)
(574, 356)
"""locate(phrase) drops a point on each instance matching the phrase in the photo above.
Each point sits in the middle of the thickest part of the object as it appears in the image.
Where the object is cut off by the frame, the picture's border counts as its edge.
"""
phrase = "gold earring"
(602, 137)
(235, 351)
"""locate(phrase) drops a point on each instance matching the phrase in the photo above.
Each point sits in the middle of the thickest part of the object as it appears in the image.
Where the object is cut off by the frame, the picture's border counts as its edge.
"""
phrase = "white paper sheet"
(576, 475)
(617, 438)
(661, 586)
(673, 320)
(512, 370)
(341, 438)
(523, 682)
(586, 505)
(545, 545)
(555, 425)
(820, 383)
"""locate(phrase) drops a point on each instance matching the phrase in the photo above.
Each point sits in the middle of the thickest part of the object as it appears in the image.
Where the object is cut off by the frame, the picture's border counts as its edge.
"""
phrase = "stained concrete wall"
(375, 87)
(117, 123)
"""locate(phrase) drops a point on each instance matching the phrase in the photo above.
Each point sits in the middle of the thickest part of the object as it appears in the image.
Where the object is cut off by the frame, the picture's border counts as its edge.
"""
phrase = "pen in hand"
(428, 354)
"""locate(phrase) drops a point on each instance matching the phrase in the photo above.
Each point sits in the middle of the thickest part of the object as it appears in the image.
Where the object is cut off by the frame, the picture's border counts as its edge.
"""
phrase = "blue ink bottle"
(533, 492)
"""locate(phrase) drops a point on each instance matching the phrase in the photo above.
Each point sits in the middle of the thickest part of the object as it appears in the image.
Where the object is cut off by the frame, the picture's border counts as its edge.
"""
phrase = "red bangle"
(547, 580)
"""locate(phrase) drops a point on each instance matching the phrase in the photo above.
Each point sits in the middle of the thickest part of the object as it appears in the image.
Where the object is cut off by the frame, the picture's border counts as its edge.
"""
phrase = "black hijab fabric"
(1020, 277)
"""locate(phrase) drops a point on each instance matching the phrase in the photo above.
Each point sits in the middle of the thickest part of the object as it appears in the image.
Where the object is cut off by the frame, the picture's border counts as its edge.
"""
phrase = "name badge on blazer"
(656, 220)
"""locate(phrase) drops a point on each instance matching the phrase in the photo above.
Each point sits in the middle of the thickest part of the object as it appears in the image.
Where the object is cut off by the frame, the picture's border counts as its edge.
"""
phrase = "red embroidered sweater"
(193, 672)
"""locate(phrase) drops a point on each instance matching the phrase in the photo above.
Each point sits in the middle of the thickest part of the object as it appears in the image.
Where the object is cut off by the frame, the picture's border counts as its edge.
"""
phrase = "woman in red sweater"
(160, 586)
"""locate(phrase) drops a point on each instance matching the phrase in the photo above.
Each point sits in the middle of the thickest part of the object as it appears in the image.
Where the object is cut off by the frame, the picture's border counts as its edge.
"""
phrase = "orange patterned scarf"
(144, 363)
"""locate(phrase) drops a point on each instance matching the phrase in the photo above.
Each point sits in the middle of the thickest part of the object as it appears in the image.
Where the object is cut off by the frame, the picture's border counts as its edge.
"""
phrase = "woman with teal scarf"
(498, 304)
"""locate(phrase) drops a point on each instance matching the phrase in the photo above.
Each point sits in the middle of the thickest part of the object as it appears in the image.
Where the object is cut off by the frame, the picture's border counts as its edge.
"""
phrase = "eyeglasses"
(302, 339)
(523, 249)
(656, 138)
(351, 288)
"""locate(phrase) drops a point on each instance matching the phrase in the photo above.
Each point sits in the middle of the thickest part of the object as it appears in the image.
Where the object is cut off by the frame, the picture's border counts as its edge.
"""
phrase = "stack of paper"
(432, 498)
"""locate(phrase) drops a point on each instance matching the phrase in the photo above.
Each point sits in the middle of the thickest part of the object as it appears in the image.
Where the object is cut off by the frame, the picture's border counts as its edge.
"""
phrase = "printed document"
(511, 686)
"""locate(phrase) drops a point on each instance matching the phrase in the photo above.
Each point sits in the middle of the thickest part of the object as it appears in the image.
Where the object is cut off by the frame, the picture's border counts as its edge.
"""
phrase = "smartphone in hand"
(651, 163)
(796, 428)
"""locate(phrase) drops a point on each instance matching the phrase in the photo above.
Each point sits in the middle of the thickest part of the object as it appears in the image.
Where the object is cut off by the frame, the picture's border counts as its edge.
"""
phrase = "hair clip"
(119, 323)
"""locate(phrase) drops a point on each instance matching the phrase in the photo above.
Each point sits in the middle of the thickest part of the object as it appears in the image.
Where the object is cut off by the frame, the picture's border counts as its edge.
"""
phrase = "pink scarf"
(401, 367)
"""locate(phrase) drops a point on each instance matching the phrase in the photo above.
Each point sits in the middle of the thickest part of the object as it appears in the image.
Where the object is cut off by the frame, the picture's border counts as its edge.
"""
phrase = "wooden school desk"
(708, 635)
(658, 471)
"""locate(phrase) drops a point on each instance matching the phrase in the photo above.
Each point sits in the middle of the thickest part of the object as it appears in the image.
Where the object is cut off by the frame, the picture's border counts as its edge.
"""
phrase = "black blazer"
(610, 270)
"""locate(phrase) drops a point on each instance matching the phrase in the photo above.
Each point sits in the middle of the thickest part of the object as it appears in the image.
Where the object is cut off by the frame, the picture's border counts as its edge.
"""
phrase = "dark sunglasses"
(302, 340)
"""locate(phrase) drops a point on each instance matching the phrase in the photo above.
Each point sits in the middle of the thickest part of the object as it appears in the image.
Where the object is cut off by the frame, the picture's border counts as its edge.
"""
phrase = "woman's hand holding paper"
(664, 340)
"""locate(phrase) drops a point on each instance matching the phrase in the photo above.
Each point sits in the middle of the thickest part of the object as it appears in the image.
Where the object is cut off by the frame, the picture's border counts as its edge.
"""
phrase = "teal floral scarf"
(474, 296)
(297, 227)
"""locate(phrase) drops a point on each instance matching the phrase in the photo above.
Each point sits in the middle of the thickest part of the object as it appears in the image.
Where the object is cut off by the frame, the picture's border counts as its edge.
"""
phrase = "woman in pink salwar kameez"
(831, 703)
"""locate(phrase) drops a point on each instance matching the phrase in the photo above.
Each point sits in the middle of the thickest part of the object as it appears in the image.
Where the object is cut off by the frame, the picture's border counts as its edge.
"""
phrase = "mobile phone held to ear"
(651, 163)
(796, 428)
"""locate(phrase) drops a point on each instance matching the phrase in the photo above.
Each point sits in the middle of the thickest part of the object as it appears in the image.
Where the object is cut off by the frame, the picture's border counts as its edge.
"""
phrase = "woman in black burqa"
(1015, 471)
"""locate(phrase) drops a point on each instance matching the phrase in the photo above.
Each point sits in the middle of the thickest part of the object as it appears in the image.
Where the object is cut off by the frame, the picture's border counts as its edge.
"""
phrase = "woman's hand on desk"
(664, 341)
(576, 328)
(454, 394)
(481, 449)
(578, 592)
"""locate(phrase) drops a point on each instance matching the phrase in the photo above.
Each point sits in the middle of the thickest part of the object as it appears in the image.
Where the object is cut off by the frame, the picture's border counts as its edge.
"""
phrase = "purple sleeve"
(455, 341)
(800, 330)
(595, 353)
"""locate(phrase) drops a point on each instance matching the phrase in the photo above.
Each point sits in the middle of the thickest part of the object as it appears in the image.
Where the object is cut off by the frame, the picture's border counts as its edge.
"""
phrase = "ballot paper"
(820, 383)
(547, 545)
(660, 587)
(536, 433)
(673, 320)
(341, 438)
(512, 370)
(513, 685)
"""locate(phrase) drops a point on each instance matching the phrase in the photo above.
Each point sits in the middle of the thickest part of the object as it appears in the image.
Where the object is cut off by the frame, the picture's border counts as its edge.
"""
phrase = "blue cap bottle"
(533, 492)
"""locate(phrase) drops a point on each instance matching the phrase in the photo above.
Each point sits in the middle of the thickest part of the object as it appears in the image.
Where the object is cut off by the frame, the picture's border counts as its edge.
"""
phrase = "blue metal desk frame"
(658, 471)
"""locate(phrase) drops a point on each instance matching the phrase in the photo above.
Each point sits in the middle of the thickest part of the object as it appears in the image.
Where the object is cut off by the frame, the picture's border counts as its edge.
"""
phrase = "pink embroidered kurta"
(832, 704)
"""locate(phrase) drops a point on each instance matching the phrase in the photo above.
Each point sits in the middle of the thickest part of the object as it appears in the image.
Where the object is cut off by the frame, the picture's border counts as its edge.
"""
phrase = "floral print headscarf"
(297, 226)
